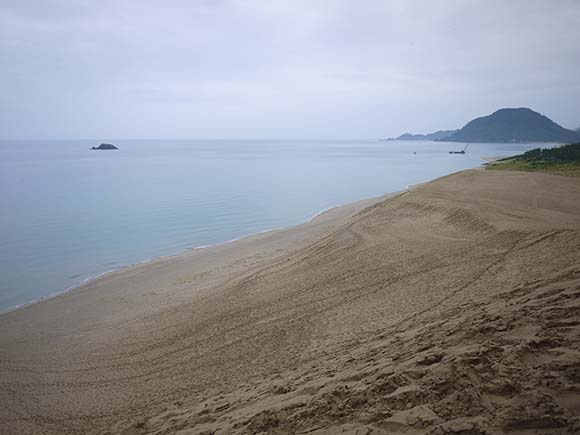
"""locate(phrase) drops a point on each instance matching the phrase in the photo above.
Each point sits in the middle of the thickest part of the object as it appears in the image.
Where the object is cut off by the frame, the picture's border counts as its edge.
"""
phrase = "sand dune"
(452, 308)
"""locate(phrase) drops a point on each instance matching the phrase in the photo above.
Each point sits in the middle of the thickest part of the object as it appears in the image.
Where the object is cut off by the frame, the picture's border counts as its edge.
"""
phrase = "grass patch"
(564, 160)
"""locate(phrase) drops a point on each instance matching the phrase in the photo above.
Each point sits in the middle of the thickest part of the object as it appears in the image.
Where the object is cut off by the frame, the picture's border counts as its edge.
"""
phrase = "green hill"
(562, 160)
(513, 125)
(566, 153)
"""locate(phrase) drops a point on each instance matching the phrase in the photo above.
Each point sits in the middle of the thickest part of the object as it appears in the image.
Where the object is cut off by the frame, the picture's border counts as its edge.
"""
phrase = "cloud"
(256, 68)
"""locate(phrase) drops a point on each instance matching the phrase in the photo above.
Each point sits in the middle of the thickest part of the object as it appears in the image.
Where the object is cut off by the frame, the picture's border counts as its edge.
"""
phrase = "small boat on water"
(460, 152)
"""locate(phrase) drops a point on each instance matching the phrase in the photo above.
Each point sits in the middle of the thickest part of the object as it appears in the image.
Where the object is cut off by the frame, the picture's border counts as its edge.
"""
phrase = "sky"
(115, 69)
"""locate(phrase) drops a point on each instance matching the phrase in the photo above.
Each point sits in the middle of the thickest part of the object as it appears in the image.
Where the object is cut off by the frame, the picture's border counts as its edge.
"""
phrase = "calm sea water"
(68, 213)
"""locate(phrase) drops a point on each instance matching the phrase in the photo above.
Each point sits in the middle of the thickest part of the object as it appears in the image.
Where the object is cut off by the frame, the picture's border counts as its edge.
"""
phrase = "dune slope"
(451, 308)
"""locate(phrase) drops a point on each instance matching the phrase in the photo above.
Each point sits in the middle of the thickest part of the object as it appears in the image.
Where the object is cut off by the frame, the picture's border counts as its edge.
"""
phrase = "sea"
(68, 213)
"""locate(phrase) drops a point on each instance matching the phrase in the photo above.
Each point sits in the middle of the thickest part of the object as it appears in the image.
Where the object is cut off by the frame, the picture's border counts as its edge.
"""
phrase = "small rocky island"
(105, 146)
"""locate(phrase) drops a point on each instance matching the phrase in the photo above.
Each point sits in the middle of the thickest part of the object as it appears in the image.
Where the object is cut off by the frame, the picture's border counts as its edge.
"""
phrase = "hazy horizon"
(285, 70)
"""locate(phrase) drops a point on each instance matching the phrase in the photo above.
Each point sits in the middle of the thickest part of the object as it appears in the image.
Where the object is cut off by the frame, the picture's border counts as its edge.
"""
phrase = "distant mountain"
(578, 129)
(438, 135)
(514, 125)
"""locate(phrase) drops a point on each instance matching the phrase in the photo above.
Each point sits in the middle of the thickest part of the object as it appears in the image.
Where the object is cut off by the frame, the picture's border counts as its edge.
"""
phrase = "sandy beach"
(452, 307)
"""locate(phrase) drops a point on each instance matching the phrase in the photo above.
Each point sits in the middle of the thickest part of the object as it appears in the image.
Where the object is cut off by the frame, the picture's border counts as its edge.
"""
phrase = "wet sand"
(452, 307)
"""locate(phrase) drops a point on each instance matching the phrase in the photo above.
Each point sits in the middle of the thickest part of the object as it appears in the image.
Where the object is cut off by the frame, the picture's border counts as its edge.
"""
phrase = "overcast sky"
(112, 69)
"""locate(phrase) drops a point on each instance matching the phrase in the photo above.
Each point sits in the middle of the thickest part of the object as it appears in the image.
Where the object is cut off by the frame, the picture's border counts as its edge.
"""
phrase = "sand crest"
(452, 308)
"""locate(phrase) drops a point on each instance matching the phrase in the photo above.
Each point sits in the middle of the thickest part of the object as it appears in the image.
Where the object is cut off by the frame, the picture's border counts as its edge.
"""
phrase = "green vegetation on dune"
(522, 165)
(564, 160)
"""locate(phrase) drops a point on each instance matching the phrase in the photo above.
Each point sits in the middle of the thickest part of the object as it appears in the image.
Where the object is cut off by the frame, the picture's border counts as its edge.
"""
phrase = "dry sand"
(453, 307)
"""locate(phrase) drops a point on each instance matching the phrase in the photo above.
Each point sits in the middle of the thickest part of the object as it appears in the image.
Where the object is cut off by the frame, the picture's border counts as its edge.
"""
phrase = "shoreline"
(121, 268)
(100, 275)
(104, 274)
(72, 283)
(162, 258)
(368, 316)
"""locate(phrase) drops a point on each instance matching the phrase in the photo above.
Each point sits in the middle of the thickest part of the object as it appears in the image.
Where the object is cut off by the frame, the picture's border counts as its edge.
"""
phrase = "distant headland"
(105, 146)
(504, 125)
(438, 135)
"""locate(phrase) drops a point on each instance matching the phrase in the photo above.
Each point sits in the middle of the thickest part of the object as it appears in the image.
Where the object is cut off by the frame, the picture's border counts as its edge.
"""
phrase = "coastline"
(422, 312)
(63, 272)
(104, 274)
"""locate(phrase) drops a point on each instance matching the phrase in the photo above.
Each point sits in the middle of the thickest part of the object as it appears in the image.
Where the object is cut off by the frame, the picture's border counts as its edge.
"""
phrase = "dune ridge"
(451, 308)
